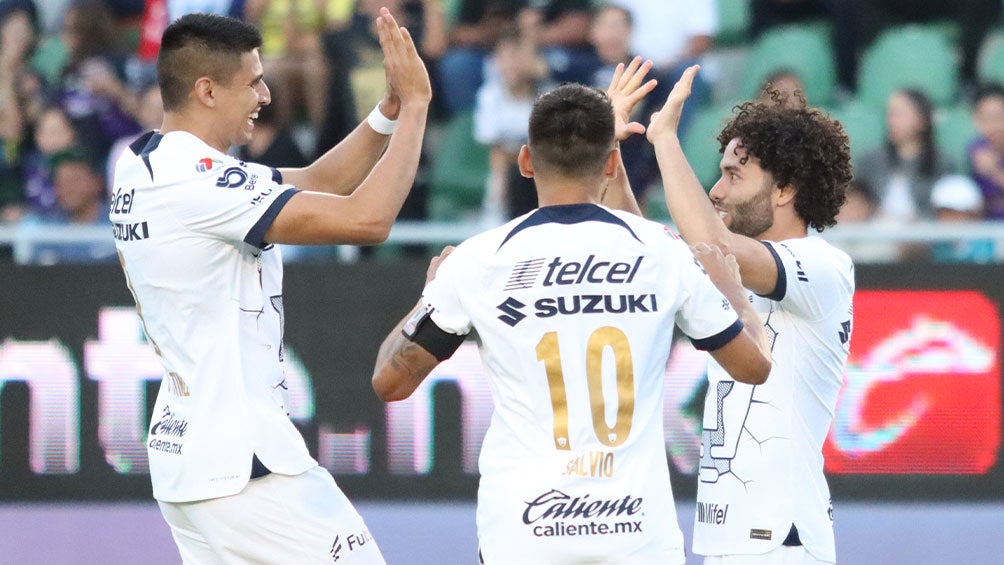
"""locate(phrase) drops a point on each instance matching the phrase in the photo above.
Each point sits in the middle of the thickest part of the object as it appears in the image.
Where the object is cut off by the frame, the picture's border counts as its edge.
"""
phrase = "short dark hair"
(199, 45)
(571, 130)
(798, 146)
(988, 90)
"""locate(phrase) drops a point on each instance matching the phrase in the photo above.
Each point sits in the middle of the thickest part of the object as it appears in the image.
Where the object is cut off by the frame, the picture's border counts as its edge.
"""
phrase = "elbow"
(372, 232)
(757, 374)
(386, 389)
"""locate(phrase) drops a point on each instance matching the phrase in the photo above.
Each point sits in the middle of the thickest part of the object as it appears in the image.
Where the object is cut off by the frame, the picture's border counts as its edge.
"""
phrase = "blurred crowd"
(78, 84)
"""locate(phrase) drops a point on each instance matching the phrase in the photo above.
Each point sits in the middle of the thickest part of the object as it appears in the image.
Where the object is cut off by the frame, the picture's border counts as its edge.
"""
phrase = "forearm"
(343, 167)
(693, 214)
(396, 375)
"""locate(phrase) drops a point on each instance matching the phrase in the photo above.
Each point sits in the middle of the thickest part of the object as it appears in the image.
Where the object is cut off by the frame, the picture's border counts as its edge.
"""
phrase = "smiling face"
(238, 102)
(743, 194)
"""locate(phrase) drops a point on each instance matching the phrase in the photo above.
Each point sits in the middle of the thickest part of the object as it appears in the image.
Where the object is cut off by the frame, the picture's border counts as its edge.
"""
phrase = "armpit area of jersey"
(420, 329)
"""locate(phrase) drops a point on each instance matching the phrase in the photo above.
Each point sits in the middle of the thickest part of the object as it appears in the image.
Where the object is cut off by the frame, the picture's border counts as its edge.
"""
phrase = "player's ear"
(204, 91)
(524, 162)
(613, 160)
(784, 195)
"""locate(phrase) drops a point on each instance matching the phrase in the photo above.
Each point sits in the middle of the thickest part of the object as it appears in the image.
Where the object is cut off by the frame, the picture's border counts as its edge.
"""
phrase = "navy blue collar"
(568, 214)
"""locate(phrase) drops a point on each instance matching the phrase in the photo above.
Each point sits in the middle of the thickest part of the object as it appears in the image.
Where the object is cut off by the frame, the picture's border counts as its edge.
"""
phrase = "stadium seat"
(990, 66)
(953, 130)
(864, 124)
(804, 49)
(911, 56)
(459, 170)
(733, 23)
(700, 144)
(49, 58)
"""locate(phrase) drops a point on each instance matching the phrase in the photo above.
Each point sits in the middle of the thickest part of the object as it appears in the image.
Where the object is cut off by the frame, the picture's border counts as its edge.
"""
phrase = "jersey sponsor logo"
(511, 311)
(130, 232)
(207, 164)
(235, 177)
(524, 274)
(170, 426)
(557, 514)
(590, 271)
(595, 464)
(712, 513)
(352, 542)
(259, 198)
(595, 304)
(122, 201)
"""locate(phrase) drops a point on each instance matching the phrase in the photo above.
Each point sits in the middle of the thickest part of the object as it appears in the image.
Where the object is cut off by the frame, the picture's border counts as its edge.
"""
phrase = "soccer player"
(574, 305)
(195, 230)
(762, 497)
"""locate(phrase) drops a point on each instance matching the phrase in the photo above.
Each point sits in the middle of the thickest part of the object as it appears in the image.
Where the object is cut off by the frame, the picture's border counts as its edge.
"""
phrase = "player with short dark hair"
(195, 229)
(574, 305)
(762, 496)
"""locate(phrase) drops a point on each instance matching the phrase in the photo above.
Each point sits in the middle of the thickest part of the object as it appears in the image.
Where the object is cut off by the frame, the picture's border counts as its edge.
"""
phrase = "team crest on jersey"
(207, 164)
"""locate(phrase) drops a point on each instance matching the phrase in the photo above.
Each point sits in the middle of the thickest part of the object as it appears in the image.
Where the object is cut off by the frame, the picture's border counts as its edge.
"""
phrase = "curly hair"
(799, 146)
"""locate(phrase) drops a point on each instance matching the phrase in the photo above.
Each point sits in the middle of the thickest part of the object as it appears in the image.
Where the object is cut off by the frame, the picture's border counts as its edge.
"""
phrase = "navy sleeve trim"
(424, 332)
(781, 287)
(276, 175)
(256, 235)
(719, 339)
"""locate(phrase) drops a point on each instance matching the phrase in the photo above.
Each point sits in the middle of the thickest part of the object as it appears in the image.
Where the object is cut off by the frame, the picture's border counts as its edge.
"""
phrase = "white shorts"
(784, 555)
(299, 519)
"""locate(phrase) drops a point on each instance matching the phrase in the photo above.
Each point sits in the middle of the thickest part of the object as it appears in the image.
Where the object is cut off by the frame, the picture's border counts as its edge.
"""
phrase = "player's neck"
(180, 121)
(557, 192)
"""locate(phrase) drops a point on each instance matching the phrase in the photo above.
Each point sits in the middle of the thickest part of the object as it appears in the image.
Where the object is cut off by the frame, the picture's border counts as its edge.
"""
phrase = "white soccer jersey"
(761, 463)
(575, 307)
(189, 223)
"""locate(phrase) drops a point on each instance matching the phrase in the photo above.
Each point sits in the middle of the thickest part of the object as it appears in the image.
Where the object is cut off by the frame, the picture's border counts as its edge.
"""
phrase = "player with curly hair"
(762, 497)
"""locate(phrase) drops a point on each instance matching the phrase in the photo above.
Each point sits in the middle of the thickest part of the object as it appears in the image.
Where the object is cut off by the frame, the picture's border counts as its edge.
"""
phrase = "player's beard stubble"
(755, 215)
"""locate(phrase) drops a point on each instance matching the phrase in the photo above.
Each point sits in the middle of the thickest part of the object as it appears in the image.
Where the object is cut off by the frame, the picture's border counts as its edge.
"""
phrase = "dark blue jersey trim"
(781, 287)
(256, 235)
(146, 145)
(568, 214)
(719, 339)
(276, 175)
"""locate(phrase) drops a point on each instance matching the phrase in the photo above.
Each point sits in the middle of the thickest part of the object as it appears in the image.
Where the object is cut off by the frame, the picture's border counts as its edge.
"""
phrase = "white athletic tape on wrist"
(380, 123)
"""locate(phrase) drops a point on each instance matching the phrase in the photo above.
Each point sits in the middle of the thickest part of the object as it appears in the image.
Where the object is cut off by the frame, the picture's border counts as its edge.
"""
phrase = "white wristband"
(380, 123)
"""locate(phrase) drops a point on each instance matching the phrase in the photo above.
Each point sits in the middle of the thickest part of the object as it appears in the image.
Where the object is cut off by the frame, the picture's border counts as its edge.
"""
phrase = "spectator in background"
(478, 27)
(610, 35)
(54, 133)
(986, 152)
(956, 198)
(292, 53)
(150, 115)
(79, 188)
(501, 114)
(784, 84)
(673, 34)
(178, 8)
(18, 34)
(93, 87)
(904, 170)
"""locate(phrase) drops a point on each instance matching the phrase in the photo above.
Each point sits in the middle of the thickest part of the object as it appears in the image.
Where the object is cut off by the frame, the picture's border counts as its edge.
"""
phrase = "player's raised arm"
(627, 87)
(747, 356)
(365, 215)
(694, 214)
(413, 348)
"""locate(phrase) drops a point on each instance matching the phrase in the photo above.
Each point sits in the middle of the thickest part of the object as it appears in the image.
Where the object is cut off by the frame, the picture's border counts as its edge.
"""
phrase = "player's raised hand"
(436, 261)
(407, 77)
(722, 269)
(667, 120)
(627, 88)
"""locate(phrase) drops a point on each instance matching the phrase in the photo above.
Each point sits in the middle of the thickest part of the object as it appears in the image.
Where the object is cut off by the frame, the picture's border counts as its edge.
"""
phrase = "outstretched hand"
(625, 91)
(430, 273)
(667, 120)
(407, 77)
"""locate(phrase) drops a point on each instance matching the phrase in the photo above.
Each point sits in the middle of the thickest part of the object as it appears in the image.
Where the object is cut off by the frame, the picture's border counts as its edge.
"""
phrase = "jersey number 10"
(599, 340)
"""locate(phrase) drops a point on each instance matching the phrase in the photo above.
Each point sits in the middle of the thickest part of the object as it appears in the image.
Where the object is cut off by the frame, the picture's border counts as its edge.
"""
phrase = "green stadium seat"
(49, 59)
(990, 66)
(700, 143)
(804, 49)
(864, 124)
(733, 23)
(953, 130)
(459, 170)
(911, 56)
